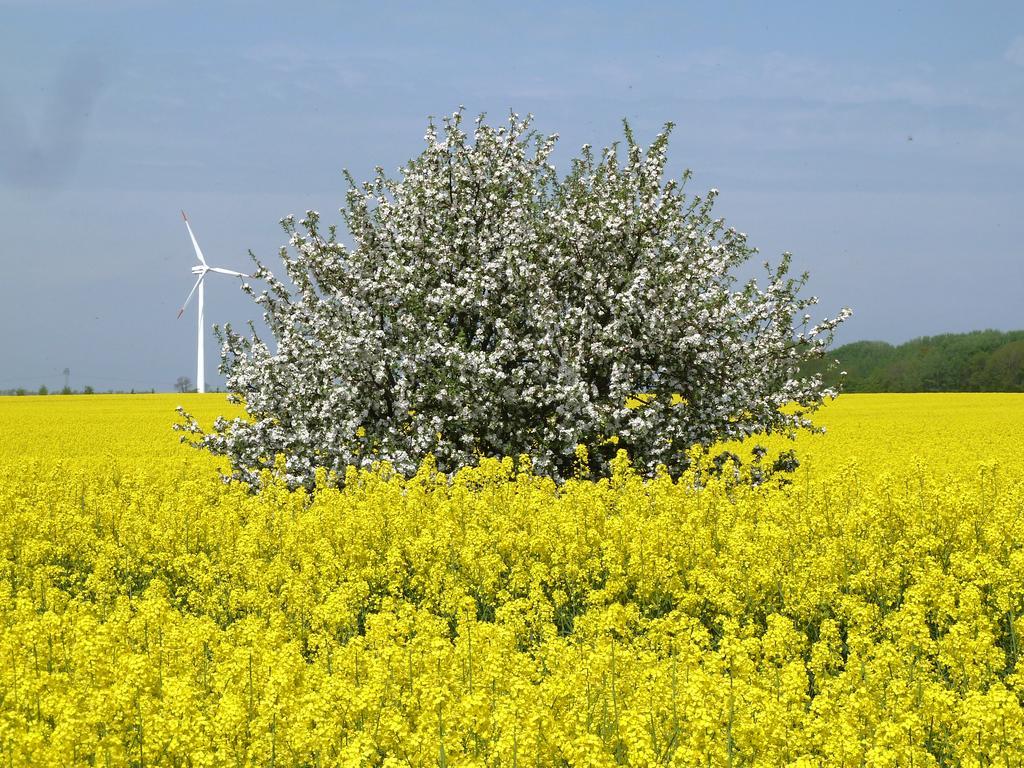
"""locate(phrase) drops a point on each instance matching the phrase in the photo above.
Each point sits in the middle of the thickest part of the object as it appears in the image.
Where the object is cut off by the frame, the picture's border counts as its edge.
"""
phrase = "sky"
(881, 143)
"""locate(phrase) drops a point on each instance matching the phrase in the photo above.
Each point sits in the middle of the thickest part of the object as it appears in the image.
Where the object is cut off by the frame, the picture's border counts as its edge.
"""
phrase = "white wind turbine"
(201, 269)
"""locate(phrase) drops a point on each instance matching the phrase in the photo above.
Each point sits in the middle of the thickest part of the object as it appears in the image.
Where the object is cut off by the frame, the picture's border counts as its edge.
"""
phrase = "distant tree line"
(183, 385)
(980, 361)
(44, 390)
(87, 390)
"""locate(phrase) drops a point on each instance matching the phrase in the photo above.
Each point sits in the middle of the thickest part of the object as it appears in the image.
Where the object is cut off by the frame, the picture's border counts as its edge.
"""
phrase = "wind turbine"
(201, 269)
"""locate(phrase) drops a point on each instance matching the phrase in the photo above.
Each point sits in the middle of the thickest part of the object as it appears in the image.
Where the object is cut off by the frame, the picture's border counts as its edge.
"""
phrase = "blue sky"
(882, 144)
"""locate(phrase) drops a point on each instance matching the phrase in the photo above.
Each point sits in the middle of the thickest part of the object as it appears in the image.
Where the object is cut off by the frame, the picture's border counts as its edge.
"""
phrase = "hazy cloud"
(1015, 52)
(43, 150)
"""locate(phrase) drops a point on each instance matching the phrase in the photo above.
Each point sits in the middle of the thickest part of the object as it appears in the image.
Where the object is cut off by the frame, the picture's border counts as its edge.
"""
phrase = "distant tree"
(183, 384)
(987, 361)
(1003, 370)
(20, 391)
(43, 390)
(87, 391)
(66, 391)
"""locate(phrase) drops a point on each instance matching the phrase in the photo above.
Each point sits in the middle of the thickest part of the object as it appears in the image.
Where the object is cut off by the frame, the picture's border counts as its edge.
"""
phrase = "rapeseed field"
(867, 614)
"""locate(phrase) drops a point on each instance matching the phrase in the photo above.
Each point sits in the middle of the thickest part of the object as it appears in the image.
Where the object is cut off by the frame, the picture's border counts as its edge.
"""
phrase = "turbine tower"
(201, 269)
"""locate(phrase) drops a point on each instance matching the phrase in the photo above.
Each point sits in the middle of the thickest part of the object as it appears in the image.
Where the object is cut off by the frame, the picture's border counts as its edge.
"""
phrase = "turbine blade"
(228, 272)
(190, 293)
(195, 244)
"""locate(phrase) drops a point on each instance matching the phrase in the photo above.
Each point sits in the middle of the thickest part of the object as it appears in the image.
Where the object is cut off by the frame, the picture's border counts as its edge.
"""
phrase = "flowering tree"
(488, 306)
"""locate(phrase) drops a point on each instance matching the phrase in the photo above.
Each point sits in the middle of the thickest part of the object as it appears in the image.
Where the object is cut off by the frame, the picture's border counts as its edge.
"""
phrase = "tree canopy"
(488, 306)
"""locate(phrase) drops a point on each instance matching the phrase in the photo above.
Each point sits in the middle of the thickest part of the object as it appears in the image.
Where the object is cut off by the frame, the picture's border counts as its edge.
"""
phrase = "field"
(869, 613)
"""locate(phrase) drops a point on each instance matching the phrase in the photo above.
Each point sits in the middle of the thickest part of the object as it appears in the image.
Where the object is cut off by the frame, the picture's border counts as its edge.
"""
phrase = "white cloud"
(1015, 52)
